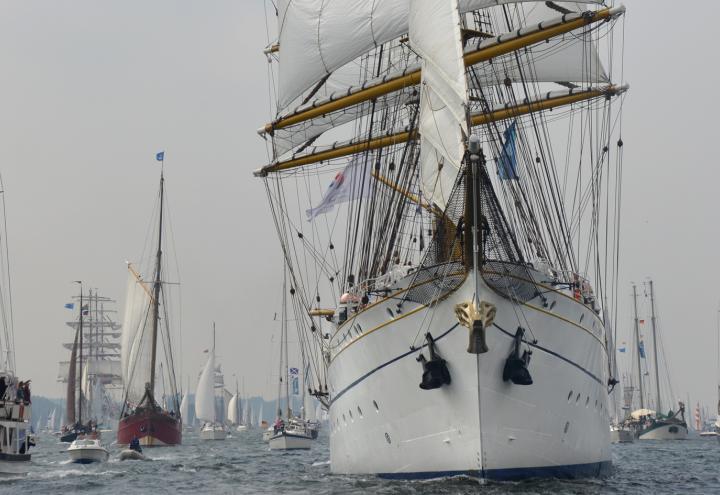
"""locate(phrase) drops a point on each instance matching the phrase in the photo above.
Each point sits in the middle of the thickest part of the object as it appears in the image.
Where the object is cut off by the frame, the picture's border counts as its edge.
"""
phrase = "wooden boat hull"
(621, 436)
(153, 429)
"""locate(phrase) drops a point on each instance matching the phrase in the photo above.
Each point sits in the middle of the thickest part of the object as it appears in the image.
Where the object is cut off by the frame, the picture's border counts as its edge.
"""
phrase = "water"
(243, 464)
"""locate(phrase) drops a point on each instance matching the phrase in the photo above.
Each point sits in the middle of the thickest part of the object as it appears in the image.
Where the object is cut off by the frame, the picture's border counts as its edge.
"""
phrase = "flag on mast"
(160, 156)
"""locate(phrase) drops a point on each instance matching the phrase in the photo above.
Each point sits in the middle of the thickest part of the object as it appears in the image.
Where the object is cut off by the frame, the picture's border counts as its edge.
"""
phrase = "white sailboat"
(205, 407)
(234, 412)
(445, 297)
(289, 433)
(185, 412)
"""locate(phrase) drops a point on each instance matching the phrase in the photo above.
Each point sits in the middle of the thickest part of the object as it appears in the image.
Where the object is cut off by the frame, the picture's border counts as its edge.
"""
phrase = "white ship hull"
(665, 432)
(480, 426)
(268, 434)
(289, 441)
(213, 432)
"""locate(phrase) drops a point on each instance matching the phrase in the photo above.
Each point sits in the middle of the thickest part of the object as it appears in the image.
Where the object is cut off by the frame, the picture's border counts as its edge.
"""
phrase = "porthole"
(377, 409)
(392, 315)
(570, 396)
(360, 412)
(359, 328)
(567, 426)
(344, 420)
(387, 438)
(350, 414)
(581, 317)
(577, 399)
(587, 401)
(552, 305)
(595, 403)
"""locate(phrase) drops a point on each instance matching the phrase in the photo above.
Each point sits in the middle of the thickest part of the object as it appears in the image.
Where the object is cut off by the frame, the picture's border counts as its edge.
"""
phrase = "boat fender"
(477, 320)
(435, 371)
(515, 369)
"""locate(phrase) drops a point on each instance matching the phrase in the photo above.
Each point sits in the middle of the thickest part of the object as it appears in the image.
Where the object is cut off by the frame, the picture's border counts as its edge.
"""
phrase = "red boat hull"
(153, 429)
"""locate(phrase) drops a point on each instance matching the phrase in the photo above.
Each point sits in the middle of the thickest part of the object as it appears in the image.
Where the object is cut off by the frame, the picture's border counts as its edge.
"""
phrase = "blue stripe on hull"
(591, 470)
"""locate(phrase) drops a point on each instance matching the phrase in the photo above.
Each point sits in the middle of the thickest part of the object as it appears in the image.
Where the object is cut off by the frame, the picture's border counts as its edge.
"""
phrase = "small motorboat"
(87, 450)
(132, 455)
(133, 452)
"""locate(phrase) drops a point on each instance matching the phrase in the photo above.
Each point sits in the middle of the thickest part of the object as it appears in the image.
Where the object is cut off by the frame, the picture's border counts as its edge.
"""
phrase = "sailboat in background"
(185, 411)
(234, 412)
(205, 405)
(146, 328)
(288, 433)
(654, 424)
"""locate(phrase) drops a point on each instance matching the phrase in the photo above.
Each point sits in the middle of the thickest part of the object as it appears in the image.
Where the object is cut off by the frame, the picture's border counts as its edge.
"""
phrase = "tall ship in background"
(151, 402)
(454, 287)
(100, 379)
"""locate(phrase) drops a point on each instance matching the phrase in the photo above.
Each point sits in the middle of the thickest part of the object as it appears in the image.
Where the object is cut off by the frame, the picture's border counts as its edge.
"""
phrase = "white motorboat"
(241, 428)
(213, 431)
(87, 450)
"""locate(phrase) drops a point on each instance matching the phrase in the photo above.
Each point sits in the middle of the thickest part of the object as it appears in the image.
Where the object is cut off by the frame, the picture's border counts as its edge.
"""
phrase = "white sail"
(317, 37)
(51, 421)
(435, 36)
(232, 412)
(136, 341)
(205, 393)
(260, 416)
(184, 408)
(309, 409)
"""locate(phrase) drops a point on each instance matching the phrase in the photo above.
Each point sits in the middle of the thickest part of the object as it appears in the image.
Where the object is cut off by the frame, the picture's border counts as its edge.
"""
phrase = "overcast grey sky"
(90, 90)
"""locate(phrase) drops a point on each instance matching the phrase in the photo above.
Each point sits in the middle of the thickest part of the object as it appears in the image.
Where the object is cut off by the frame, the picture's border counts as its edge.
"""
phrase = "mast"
(637, 345)
(284, 343)
(213, 378)
(655, 354)
(156, 289)
(80, 331)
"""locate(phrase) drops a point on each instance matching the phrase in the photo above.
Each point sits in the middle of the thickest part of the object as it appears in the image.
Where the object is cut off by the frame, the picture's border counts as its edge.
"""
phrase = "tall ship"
(151, 405)
(99, 381)
(444, 179)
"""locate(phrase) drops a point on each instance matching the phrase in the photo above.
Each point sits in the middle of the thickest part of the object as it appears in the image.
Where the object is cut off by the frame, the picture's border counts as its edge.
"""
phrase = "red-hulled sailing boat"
(143, 417)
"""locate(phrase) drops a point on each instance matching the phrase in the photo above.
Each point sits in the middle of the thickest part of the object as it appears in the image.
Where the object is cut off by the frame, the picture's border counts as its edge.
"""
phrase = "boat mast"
(637, 344)
(156, 289)
(213, 378)
(80, 331)
(655, 354)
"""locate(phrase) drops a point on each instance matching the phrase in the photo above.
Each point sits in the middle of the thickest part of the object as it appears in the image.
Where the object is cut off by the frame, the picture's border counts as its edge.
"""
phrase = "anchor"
(516, 365)
(435, 371)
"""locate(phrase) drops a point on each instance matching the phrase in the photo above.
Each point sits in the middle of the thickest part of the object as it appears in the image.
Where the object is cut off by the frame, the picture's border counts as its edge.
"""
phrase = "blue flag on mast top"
(507, 162)
(160, 156)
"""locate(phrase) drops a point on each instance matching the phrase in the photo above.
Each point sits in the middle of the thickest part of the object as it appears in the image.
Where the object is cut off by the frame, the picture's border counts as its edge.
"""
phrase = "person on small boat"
(135, 445)
(279, 425)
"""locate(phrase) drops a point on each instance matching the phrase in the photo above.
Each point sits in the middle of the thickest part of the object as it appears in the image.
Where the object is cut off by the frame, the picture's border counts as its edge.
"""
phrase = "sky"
(90, 90)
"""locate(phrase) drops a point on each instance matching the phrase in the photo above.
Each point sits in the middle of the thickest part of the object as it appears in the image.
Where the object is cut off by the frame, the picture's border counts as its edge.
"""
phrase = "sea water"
(243, 464)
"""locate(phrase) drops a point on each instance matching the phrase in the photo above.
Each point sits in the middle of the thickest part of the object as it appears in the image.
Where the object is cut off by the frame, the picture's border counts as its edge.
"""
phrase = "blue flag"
(507, 162)
(160, 156)
(642, 349)
(70, 305)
